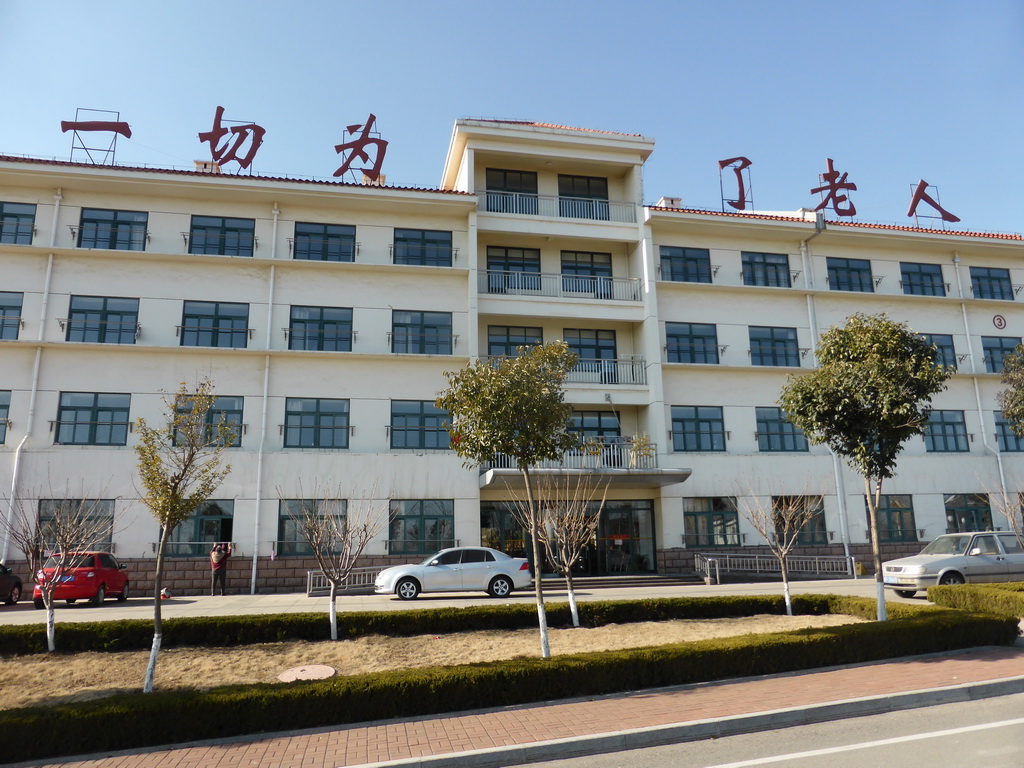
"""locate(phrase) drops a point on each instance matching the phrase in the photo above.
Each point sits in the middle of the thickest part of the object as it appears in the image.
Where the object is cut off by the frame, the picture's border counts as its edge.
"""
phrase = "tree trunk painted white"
(51, 630)
(573, 608)
(785, 589)
(333, 611)
(876, 551)
(154, 651)
(538, 589)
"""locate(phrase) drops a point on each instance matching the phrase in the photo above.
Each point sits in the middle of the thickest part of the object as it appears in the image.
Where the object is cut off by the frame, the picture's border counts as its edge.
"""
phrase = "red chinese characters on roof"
(921, 195)
(738, 165)
(357, 149)
(114, 126)
(226, 143)
(832, 188)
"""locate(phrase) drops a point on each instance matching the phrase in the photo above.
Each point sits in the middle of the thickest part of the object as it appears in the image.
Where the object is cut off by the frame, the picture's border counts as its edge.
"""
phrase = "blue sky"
(894, 91)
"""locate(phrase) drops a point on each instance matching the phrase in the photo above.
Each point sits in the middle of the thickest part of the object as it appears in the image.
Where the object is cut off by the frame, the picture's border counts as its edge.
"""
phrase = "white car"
(957, 558)
(464, 569)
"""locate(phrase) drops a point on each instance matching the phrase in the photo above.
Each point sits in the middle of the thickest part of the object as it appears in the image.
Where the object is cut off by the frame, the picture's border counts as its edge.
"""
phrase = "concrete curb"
(697, 730)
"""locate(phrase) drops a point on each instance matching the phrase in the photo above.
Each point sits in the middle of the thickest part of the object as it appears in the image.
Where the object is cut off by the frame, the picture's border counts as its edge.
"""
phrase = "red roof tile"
(553, 125)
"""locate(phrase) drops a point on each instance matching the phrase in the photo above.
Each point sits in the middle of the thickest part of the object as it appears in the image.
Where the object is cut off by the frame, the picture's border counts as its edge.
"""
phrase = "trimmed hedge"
(227, 631)
(1004, 599)
(179, 716)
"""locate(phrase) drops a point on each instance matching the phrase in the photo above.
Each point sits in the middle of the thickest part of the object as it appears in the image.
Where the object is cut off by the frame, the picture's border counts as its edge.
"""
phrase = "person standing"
(219, 567)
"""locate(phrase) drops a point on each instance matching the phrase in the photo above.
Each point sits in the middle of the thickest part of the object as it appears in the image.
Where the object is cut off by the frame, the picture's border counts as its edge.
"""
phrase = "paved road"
(235, 605)
(987, 733)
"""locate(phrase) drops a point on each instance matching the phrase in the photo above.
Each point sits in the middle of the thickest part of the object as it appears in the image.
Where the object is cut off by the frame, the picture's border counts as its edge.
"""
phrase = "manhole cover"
(308, 672)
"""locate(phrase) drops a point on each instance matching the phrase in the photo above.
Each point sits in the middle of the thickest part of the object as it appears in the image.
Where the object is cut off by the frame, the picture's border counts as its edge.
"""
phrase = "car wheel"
(101, 595)
(124, 594)
(15, 595)
(905, 592)
(500, 586)
(952, 578)
(407, 589)
(38, 602)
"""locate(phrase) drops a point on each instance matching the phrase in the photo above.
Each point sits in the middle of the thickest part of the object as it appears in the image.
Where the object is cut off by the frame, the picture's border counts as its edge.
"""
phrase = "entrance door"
(625, 538)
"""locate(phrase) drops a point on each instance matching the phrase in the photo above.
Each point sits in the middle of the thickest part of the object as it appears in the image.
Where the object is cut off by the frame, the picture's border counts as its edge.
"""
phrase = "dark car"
(10, 586)
(88, 576)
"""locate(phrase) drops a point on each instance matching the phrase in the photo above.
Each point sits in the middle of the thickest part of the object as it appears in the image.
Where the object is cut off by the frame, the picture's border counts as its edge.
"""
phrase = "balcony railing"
(630, 370)
(561, 286)
(611, 453)
(555, 206)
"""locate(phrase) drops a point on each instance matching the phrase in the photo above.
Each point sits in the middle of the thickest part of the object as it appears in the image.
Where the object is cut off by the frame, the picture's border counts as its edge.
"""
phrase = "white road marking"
(869, 744)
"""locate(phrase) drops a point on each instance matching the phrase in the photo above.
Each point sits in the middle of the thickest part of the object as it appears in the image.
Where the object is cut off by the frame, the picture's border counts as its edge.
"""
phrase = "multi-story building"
(327, 313)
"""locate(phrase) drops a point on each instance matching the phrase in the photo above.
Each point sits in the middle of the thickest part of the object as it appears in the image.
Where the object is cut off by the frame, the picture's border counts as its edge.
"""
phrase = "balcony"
(559, 207)
(560, 286)
(630, 371)
(624, 462)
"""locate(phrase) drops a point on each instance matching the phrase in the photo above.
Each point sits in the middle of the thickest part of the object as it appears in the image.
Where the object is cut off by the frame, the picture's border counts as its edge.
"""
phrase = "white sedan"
(464, 569)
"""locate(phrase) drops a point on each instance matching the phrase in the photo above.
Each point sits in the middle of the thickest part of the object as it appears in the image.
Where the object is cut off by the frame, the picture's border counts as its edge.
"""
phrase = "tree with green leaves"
(1011, 398)
(180, 468)
(870, 393)
(514, 407)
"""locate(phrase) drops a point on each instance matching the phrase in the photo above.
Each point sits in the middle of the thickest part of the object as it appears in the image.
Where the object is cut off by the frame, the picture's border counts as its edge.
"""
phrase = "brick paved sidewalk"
(512, 735)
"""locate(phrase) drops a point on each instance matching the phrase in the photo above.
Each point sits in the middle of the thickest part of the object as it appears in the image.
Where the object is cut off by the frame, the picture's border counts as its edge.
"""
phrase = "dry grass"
(46, 679)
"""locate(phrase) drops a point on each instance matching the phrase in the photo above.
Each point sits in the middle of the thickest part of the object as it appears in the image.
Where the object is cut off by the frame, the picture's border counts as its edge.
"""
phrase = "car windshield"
(947, 545)
(74, 561)
(430, 558)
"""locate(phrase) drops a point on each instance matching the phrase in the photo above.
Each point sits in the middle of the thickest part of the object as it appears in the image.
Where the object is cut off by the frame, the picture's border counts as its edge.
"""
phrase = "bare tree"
(180, 467)
(780, 522)
(53, 536)
(337, 530)
(567, 522)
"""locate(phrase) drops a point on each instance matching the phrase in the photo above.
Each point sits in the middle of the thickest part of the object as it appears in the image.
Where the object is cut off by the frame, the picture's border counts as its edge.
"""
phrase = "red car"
(88, 576)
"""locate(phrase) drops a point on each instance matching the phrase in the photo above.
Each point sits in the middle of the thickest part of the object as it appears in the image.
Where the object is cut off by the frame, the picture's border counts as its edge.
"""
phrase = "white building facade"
(326, 315)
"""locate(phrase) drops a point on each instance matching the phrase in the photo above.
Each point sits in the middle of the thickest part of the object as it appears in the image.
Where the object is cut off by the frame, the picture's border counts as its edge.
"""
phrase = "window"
(895, 518)
(418, 424)
(420, 526)
(686, 265)
(291, 540)
(946, 432)
(773, 346)
(10, 314)
(583, 197)
(116, 230)
(324, 242)
(5, 414)
(320, 328)
(922, 279)
(505, 340)
(776, 433)
(967, 512)
(91, 418)
(424, 333)
(698, 428)
(711, 521)
(425, 247)
(501, 529)
(991, 283)
(214, 324)
(226, 410)
(691, 343)
(513, 270)
(996, 348)
(511, 191)
(597, 354)
(99, 513)
(311, 422)
(770, 269)
(212, 523)
(945, 352)
(17, 223)
(814, 531)
(850, 275)
(222, 236)
(587, 273)
(602, 426)
(103, 320)
(1009, 441)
